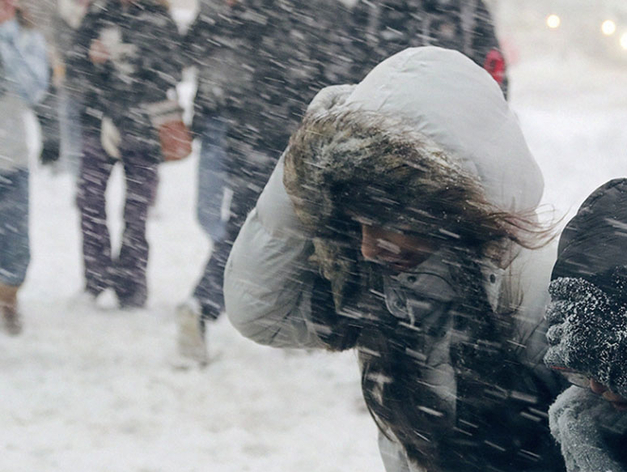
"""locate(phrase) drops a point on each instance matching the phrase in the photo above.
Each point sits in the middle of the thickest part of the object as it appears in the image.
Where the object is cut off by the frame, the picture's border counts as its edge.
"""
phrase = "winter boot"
(11, 319)
(191, 341)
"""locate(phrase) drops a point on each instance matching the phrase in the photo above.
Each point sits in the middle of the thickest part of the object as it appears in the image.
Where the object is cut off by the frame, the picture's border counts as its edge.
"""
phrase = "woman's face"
(398, 251)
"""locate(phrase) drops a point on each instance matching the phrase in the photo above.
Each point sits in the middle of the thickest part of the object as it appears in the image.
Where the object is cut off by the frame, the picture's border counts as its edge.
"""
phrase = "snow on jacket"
(144, 44)
(271, 287)
(23, 82)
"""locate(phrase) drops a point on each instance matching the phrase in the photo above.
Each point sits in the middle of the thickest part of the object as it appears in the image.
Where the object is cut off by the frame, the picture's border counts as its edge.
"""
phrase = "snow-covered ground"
(85, 389)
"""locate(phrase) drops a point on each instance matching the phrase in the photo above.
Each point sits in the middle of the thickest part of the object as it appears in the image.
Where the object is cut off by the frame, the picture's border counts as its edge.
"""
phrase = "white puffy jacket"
(268, 283)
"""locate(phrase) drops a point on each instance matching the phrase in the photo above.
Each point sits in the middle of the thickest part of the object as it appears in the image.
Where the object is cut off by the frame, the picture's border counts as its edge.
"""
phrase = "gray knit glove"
(587, 333)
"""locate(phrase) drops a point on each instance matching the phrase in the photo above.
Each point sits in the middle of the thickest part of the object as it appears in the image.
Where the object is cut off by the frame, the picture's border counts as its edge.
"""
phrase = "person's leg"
(247, 184)
(131, 286)
(94, 175)
(212, 212)
(14, 244)
(212, 180)
(208, 300)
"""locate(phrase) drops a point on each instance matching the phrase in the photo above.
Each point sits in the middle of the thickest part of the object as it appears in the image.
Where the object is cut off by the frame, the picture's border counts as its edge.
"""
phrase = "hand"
(110, 138)
(7, 10)
(58, 73)
(98, 53)
(586, 332)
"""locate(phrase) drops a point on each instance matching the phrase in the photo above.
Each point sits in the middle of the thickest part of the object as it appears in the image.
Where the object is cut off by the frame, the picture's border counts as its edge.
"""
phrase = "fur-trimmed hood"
(445, 107)
(342, 162)
(426, 140)
(427, 120)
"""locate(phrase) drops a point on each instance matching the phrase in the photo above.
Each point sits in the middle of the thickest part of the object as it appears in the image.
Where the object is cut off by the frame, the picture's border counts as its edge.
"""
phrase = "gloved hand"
(587, 333)
(49, 152)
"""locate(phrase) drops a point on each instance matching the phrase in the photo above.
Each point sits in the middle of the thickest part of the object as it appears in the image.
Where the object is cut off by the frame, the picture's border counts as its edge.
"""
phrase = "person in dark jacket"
(588, 332)
(387, 27)
(126, 60)
(259, 63)
(393, 225)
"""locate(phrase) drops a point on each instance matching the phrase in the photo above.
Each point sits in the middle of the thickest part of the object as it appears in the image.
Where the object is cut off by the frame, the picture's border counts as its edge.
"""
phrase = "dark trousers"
(126, 273)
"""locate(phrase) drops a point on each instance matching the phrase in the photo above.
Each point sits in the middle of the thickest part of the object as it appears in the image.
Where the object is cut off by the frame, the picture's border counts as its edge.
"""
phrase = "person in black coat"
(588, 333)
(385, 28)
(259, 64)
(126, 61)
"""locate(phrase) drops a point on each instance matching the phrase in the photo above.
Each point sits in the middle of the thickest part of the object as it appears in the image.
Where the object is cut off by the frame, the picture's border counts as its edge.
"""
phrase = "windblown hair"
(357, 162)
(343, 164)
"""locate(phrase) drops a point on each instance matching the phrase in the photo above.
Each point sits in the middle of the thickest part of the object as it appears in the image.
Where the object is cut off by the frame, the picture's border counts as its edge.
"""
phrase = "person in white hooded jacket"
(400, 221)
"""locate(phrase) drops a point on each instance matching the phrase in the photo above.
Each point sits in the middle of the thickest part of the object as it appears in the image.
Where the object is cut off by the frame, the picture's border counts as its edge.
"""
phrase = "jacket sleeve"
(25, 62)
(199, 41)
(268, 280)
(582, 423)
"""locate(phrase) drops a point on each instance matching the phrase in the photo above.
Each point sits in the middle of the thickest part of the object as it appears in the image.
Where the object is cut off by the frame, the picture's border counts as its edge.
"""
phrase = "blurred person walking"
(259, 63)
(59, 111)
(126, 59)
(23, 81)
